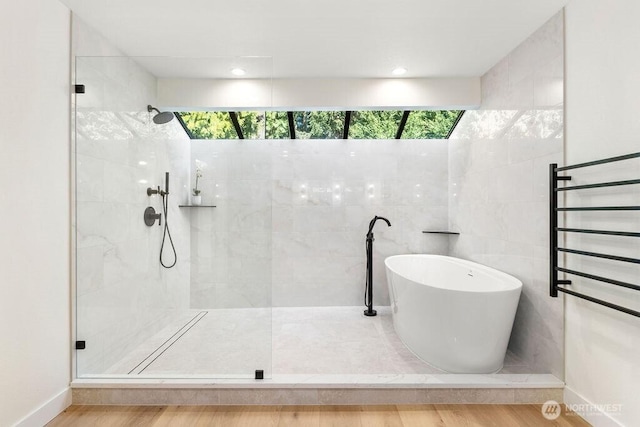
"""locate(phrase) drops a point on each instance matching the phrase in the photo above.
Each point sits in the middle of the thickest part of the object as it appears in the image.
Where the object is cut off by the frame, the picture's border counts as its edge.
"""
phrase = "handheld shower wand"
(368, 289)
(150, 217)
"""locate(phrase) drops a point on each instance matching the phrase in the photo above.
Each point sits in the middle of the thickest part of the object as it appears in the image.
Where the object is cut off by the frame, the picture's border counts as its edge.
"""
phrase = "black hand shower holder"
(150, 216)
(558, 285)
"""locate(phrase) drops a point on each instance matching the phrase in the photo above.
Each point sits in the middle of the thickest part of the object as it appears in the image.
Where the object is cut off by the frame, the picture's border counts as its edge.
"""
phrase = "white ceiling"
(319, 38)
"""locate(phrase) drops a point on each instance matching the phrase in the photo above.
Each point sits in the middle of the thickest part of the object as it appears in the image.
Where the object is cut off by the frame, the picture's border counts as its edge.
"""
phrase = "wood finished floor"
(313, 416)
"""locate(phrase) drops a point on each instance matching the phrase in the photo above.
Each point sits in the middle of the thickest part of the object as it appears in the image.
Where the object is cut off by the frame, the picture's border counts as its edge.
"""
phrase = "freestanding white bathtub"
(454, 314)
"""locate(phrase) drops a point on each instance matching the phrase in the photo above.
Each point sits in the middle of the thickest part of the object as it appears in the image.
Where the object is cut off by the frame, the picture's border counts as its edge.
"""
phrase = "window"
(208, 125)
(319, 124)
(430, 124)
(374, 124)
(364, 124)
(277, 125)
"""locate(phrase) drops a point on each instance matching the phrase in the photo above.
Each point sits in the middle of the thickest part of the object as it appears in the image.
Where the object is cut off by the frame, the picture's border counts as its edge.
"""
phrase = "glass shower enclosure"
(210, 314)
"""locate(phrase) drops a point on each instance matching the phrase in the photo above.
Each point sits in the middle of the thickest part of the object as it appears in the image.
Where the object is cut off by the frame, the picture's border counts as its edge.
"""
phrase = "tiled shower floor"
(233, 343)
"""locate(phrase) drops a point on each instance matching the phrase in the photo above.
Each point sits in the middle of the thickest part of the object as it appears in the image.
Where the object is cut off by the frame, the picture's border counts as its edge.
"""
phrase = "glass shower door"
(209, 315)
(231, 250)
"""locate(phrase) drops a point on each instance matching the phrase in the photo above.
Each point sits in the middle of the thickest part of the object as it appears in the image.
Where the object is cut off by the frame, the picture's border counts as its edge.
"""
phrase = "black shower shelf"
(452, 233)
(197, 206)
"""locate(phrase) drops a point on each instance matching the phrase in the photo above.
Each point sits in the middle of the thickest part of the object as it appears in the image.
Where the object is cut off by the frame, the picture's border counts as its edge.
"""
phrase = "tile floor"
(233, 343)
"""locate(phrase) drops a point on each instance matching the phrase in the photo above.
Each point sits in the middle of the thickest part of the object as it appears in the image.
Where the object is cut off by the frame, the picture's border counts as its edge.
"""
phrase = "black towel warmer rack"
(556, 285)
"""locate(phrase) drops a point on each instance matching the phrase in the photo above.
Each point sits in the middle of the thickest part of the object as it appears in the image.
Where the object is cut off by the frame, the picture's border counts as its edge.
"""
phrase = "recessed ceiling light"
(238, 72)
(399, 71)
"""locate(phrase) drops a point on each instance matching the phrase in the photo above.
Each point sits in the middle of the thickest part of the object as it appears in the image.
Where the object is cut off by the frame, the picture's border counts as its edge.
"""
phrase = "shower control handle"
(150, 216)
(151, 191)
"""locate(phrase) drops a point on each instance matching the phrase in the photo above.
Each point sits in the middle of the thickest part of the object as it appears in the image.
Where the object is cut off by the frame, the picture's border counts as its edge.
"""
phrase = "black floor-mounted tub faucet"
(368, 291)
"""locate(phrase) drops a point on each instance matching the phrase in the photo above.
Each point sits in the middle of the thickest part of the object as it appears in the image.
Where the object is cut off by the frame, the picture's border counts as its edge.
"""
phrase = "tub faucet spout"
(373, 222)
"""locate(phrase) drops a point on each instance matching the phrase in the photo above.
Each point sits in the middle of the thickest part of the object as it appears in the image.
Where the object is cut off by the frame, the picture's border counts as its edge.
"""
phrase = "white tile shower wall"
(291, 218)
(498, 201)
(123, 294)
(617, 348)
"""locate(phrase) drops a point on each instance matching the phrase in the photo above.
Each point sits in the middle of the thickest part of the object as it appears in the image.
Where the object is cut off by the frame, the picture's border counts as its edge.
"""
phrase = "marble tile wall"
(291, 218)
(123, 294)
(498, 200)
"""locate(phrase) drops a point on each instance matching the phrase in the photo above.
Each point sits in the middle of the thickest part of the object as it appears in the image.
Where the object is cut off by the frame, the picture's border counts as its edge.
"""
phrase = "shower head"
(162, 117)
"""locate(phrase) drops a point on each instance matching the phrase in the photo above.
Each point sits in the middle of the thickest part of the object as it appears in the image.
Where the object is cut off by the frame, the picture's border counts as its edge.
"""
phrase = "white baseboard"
(48, 411)
(587, 410)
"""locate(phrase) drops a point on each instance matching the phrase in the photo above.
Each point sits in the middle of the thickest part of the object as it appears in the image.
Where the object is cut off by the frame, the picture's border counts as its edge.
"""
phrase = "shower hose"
(165, 208)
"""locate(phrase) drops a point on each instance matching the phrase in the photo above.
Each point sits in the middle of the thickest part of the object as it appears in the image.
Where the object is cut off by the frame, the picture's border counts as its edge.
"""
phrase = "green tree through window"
(429, 124)
(319, 124)
(374, 124)
(209, 124)
(277, 125)
(421, 124)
